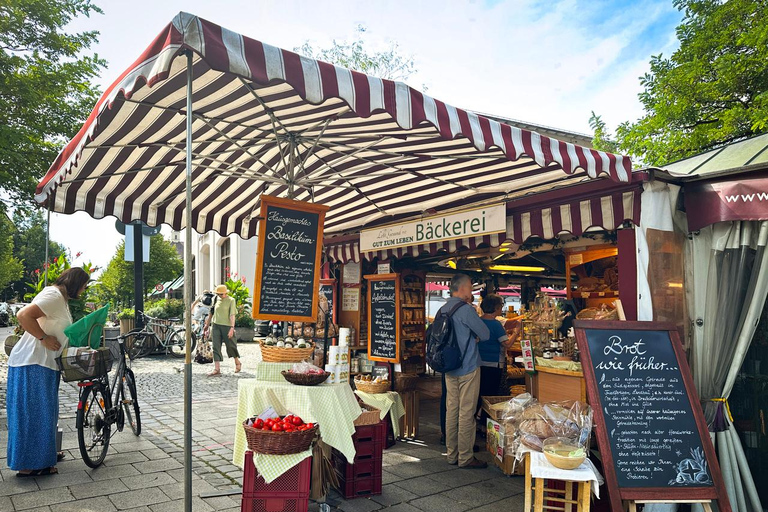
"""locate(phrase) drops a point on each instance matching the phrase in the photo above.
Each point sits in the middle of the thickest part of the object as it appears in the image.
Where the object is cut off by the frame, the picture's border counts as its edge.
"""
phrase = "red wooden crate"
(359, 487)
(287, 493)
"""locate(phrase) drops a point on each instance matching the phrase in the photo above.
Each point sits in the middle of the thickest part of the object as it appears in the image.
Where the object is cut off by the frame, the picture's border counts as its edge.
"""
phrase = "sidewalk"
(145, 473)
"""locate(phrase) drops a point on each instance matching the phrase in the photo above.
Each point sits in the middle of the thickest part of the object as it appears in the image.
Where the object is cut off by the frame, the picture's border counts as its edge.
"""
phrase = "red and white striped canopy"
(269, 121)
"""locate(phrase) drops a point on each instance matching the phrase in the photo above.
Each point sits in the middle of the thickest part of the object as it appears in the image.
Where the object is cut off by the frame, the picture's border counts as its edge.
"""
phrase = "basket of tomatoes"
(279, 436)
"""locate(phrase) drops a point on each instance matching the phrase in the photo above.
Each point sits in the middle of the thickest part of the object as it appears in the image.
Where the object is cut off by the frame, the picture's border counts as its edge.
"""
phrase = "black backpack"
(443, 351)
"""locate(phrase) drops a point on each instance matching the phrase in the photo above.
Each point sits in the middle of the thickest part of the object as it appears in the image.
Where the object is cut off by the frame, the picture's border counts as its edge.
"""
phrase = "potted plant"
(127, 320)
(244, 324)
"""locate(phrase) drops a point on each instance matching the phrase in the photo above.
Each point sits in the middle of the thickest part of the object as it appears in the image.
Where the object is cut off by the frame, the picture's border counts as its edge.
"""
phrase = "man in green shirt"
(222, 325)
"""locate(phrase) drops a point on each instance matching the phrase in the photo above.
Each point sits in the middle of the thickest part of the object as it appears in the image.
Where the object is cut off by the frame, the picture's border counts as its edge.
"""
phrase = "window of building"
(225, 260)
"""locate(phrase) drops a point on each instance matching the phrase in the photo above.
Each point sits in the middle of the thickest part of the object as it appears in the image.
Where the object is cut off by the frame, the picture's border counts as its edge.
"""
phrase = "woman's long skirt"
(32, 400)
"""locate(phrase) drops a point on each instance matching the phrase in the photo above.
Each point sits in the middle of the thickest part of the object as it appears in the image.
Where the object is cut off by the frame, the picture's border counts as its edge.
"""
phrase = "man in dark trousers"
(463, 384)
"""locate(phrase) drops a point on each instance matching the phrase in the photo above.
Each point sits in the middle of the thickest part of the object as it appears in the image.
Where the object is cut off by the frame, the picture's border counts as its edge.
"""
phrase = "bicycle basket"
(84, 364)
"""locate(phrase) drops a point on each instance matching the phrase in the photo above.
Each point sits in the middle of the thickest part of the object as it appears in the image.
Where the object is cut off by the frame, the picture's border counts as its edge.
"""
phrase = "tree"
(711, 91)
(29, 248)
(45, 87)
(10, 266)
(116, 283)
(389, 64)
(600, 139)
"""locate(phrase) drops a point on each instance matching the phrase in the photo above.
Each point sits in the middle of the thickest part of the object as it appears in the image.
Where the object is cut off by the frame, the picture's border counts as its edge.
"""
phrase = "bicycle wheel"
(131, 402)
(93, 429)
(135, 344)
(176, 343)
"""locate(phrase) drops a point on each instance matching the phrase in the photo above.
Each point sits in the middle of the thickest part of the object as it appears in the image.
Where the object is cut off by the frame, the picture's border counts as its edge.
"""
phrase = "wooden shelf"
(420, 306)
(595, 295)
(413, 322)
(358, 347)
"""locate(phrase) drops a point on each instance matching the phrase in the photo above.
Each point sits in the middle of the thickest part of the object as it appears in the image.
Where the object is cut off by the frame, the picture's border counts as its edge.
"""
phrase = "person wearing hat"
(222, 324)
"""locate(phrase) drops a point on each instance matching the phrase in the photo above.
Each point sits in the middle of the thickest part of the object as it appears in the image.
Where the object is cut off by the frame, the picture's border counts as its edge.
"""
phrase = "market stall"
(206, 122)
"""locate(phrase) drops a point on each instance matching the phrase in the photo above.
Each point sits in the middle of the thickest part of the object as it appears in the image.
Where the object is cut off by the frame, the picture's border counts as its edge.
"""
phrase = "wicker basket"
(278, 443)
(285, 355)
(372, 387)
(85, 366)
(369, 416)
(305, 379)
(406, 382)
(518, 389)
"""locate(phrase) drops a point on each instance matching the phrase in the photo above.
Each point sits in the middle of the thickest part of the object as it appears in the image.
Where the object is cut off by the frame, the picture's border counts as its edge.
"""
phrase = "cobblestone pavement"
(145, 474)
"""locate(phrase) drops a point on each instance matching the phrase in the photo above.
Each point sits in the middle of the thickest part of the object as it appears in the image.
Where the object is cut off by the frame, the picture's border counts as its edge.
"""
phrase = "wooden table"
(575, 493)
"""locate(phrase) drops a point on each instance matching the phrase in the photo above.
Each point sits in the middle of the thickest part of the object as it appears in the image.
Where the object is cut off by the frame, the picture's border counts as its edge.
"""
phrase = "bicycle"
(103, 404)
(144, 341)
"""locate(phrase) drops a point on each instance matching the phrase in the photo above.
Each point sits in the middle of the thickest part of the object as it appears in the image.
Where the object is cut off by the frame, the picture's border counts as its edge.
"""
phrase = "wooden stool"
(565, 497)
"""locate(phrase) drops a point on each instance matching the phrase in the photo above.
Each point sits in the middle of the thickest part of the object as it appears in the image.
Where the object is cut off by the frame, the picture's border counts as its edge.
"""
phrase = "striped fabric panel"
(373, 150)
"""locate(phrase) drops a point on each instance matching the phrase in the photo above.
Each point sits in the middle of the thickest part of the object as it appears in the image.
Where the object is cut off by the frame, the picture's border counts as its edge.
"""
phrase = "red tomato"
(297, 421)
(288, 418)
(277, 428)
(310, 425)
(258, 423)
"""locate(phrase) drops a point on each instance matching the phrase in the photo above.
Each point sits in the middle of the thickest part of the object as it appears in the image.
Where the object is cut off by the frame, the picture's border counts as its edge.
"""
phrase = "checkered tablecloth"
(271, 371)
(332, 406)
(389, 402)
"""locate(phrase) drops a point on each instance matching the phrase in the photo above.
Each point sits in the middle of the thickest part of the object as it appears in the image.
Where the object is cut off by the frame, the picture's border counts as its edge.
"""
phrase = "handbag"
(204, 353)
(10, 341)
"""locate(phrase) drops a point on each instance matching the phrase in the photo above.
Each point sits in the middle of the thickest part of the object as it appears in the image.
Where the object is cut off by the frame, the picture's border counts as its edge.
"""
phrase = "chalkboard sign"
(650, 427)
(384, 317)
(288, 261)
(328, 289)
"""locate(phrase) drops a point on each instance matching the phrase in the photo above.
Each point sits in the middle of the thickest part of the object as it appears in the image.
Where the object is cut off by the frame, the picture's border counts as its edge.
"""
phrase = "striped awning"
(577, 216)
(269, 121)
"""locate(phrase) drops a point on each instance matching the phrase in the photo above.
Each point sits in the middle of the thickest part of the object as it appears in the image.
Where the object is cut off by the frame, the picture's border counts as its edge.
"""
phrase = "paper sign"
(351, 274)
(529, 361)
(383, 268)
(350, 299)
(495, 436)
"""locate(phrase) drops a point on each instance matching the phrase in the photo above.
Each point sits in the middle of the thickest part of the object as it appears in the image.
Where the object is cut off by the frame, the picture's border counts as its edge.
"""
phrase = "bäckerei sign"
(452, 226)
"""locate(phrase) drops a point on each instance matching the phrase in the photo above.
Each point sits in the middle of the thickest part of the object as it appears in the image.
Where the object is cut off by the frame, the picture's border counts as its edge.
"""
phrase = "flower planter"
(244, 333)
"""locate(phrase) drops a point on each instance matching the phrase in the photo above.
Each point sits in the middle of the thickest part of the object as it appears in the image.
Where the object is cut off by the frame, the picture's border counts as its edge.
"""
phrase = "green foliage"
(243, 318)
(117, 279)
(389, 64)
(600, 137)
(45, 87)
(60, 263)
(164, 308)
(126, 314)
(10, 266)
(29, 247)
(238, 291)
(711, 91)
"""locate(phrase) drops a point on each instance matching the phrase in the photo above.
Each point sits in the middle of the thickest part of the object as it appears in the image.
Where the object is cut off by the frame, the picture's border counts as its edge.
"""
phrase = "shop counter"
(332, 406)
(554, 385)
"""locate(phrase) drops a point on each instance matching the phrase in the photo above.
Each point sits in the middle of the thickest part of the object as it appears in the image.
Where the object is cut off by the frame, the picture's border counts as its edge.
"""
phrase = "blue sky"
(545, 62)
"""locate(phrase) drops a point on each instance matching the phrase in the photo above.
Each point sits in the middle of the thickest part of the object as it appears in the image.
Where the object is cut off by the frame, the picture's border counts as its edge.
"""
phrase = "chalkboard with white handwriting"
(383, 328)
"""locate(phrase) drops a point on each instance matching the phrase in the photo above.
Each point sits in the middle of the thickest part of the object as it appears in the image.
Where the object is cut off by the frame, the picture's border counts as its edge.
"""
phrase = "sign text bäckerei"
(464, 224)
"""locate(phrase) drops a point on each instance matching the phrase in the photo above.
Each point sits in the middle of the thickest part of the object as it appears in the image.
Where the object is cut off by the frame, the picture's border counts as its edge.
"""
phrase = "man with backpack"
(452, 349)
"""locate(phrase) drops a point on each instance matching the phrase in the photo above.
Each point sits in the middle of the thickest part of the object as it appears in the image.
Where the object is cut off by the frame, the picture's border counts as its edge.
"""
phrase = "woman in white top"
(33, 377)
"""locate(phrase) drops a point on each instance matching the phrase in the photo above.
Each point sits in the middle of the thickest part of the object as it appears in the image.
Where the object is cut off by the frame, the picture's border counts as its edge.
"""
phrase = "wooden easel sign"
(650, 427)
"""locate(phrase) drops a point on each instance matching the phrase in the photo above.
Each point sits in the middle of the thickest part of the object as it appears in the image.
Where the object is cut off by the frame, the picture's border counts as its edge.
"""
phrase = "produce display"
(286, 342)
(369, 378)
(306, 368)
(288, 423)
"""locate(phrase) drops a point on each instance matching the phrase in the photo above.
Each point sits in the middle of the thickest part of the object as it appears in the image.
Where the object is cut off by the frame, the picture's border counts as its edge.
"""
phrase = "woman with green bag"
(33, 376)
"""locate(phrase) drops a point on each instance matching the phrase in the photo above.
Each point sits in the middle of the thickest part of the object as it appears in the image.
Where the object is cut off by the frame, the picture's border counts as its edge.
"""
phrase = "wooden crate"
(488, 401)
(508, 466)
(550, 385)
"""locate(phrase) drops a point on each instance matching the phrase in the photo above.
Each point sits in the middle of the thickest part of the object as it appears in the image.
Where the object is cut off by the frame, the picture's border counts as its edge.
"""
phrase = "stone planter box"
(244, 333)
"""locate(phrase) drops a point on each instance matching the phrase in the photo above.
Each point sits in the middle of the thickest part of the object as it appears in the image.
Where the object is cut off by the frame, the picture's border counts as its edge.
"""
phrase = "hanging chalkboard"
(328, 289)
(384, 317)
(288, 261)
(650, 427)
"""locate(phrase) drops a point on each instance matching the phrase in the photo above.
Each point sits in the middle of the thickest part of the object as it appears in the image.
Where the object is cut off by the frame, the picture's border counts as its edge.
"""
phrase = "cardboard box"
(495, 445)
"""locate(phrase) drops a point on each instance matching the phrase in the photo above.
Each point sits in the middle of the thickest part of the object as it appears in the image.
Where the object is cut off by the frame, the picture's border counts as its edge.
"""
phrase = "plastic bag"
(305, 367)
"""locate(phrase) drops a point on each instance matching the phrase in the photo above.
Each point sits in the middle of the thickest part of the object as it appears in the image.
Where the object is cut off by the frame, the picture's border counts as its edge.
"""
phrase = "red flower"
(37, 271)
(78, 254)
(243, 279)
(228, 274)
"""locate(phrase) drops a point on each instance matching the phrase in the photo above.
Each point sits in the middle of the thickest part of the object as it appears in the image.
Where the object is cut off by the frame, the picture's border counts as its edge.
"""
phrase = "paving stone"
(152, 466)
(98, 504)
(138, 498)
(15, 485)
(359, 505)
(108, 473)
(222, 502)
(388, 478)
(133, 446)
(392, 495)
(404, 507)
(440, 502)
(473, 494)
(5, 503)
(100, 488)
(198, 505)
(119, 459)
(459, 477)
(175, 491)
(41, 498)
(513, 503)
(63, 479)
(148, 480)
(422, 486)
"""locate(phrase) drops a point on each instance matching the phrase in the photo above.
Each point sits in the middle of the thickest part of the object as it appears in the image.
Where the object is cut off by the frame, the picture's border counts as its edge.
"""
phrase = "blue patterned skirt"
(33, 411)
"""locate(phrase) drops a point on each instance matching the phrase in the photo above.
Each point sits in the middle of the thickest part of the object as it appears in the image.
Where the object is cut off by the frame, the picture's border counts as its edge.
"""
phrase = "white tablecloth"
(587, 472)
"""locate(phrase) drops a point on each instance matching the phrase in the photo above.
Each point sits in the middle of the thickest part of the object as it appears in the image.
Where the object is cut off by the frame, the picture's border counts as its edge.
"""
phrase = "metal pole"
(138, 273)
(188, 303)
(47, 241)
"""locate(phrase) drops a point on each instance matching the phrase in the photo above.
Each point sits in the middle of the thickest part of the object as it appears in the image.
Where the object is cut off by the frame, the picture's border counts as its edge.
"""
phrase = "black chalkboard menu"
(288, 261)
(649, 423)
(328, 289)
(384, 317)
